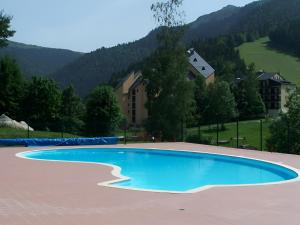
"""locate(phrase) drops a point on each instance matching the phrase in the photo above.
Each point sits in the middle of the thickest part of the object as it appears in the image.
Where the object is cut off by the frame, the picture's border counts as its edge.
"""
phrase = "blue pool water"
(173, 170)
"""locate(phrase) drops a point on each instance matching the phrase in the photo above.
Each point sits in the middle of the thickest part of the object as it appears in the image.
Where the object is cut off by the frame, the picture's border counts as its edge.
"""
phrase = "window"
(272, 105)
(195, 60)
(133, 116)
(203, 67)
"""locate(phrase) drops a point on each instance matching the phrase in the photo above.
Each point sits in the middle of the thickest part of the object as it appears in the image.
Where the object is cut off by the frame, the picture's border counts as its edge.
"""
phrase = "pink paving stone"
(58, 193)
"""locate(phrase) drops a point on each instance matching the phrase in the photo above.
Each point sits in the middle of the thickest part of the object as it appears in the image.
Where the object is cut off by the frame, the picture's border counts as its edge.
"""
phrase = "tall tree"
(11, 87)
(285, 131)
(249, 101)
(5, 31)
(220, 103)
(286, 37)
(169, 92)
(102, 112)
(72, 110)
(200, 99)
(41, 104)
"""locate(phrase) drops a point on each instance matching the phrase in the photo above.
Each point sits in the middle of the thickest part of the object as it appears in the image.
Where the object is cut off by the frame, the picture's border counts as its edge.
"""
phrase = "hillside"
(270, 59)
(35, 60)
(98, 66)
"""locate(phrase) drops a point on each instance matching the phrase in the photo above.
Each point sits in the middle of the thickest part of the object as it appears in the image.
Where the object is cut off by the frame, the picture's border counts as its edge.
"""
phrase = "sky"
(86, 25)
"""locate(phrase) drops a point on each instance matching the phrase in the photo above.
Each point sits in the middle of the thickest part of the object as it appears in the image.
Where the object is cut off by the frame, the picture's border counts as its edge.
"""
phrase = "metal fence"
(238, 134)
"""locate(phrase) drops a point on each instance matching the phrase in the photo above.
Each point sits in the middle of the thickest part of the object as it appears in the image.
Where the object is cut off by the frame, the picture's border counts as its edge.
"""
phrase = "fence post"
(27, 131)
(182, 135)
(288, 136)
(125, 135)
(261, 135)
(62, 130)
(237, 132)
(217, 132)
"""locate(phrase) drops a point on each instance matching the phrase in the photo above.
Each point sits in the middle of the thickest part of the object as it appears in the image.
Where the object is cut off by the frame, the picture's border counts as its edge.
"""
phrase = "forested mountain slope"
(35, 60)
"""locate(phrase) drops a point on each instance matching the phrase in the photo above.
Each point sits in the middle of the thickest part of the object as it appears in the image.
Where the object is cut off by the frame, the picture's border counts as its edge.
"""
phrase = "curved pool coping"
(116, 170)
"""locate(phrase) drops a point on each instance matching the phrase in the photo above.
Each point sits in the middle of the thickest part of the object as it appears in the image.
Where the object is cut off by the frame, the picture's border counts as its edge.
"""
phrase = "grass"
(16, 133)
(271, 60)
(248, 130)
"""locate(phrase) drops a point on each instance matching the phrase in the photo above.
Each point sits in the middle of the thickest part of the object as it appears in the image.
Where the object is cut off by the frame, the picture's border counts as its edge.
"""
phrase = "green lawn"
(248, 130)
(271, 60)
(15, 133)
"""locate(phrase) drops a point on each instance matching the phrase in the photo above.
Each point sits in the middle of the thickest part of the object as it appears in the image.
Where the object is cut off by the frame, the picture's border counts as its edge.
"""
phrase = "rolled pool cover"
(59, 141)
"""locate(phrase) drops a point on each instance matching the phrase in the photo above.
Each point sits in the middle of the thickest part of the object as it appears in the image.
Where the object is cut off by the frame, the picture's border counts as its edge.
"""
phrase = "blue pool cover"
(59, 141)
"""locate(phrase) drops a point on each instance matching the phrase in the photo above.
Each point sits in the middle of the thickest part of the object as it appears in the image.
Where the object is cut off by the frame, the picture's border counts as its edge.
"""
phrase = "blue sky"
(85, 25)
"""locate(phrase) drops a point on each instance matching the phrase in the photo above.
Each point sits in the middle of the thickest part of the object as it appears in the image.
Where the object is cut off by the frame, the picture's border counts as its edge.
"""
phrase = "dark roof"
(136, 83)
(265, 75)
(199, 63)
(120, 82)
(272, 76)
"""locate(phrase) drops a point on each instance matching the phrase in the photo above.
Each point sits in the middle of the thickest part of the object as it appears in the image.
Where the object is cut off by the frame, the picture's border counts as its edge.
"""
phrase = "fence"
(239, 134)
(242, 134)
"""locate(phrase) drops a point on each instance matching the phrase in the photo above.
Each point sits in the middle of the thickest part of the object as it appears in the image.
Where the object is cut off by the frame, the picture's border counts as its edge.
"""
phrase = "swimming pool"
(171, 171)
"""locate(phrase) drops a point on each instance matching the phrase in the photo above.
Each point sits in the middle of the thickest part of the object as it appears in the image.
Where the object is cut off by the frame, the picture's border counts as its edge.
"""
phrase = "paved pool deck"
(58, 193)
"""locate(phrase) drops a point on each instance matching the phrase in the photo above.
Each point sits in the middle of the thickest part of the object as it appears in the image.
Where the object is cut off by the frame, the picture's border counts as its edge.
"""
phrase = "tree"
(102, 112)
(42, 104)
(169, 92)
(200, 98)
(285, 131)
(249, 101)
(220, 103)
(286, 37)
(5, 31)
(11, 87)
(72, 111)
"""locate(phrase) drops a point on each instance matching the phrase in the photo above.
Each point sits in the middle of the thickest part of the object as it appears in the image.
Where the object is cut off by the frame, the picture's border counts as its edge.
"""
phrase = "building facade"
(131, 95)
(274, 90)
(131, 91)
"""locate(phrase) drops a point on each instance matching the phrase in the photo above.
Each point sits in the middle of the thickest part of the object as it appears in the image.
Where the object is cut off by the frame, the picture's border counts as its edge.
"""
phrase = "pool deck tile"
(59, 193)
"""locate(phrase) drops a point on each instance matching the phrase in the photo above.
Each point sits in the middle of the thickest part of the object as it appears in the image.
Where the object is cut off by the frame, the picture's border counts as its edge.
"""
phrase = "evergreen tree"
(11, 88)
(285, 131)
(41, 104)
(5, 31)
(72, 111)
(249, 101)
(169, 92)
(200, 99)
(286, 37)
(220, 104)
(102, 112)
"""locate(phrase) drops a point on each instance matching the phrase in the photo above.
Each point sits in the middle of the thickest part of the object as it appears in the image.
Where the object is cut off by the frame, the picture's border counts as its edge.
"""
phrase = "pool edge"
(116, 170)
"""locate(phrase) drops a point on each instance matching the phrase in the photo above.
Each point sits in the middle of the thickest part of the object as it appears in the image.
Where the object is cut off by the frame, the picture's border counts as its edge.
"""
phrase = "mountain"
(35, 60)
(98, 66)
(89, 70)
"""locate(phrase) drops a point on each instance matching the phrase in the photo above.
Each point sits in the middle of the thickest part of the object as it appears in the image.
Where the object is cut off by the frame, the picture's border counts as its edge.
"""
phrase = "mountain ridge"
(37, 60)
(85, 71)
